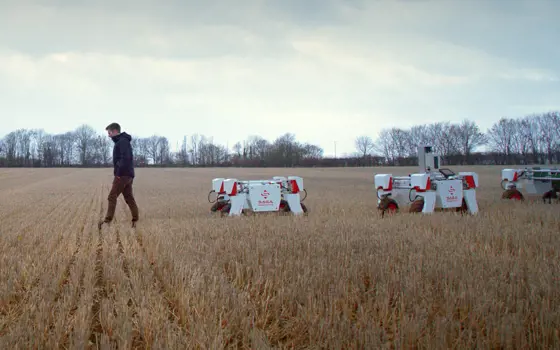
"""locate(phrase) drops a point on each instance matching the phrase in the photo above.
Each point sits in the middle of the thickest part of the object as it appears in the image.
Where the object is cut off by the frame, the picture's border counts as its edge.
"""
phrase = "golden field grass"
(340, 278)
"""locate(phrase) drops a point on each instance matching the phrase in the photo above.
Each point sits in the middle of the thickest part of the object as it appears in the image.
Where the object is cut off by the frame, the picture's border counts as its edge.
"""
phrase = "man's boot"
(101, 222)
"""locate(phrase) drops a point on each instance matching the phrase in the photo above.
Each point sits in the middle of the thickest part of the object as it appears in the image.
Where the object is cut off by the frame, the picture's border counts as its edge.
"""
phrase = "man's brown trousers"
(121, 185)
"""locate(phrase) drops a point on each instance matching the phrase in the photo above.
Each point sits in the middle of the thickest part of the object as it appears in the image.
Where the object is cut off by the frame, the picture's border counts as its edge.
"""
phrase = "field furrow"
(176, 311)
(35, 306)
(137, 340)
(75, 274)
(23, 272)
(100, 287)
(71, 324)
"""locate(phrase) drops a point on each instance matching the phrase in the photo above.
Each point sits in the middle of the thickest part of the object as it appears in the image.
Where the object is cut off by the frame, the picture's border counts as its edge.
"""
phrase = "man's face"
(112, 133)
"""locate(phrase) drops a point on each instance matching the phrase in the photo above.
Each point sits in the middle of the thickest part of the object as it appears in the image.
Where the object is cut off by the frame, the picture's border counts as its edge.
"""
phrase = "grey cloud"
(309, 13)
(183, 29)
(522, 31)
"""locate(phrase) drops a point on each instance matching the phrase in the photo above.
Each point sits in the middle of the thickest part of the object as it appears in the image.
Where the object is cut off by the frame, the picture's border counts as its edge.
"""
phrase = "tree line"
(533, 139)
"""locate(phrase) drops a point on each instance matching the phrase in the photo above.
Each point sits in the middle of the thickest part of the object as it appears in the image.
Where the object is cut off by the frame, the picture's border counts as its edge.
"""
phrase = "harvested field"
(341, 277)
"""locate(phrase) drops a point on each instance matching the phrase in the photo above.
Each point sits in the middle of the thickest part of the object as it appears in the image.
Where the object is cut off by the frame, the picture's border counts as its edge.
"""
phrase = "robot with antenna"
(431, 188)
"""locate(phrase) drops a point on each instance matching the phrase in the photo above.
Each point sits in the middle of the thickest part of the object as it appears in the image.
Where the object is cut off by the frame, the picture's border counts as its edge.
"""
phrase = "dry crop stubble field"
(341, 277)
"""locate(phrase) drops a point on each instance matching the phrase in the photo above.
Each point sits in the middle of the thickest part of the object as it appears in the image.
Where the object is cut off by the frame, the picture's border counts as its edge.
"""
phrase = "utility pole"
(335, 150)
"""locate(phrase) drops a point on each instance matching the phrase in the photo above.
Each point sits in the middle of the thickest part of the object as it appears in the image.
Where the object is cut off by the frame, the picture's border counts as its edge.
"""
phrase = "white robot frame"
(432, 188)
(534, 180)
(279, 194)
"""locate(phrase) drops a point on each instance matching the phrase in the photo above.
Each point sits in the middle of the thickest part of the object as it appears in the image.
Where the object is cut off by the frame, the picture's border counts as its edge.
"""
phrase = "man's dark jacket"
(122, 155)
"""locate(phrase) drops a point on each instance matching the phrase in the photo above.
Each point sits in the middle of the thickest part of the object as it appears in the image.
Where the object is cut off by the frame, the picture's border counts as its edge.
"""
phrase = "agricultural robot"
(279, 194)
(545, 182)
(429, 189)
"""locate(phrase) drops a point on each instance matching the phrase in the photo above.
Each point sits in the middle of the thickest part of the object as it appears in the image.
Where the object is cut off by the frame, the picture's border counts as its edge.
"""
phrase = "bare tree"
(449, 140)
(164, 155)
(418, 135)
(399, 139)
(519, 146)
(433, 137)
(470, 137)
(547, 135)
(284, 150)
(237, 149)
(259, 147)
(100, 151)
(85, 136)
(49, 151)
(212, 154)
(203, 157)
(153, 148)
(10, 144)
(364, 145)
(310, 151)
(24, 142)
(500, 138)
(183, 156)
(140, 150)
(106, 150)
(65, 148)
(384, 146)
(38, 140)
(195, 140)
(529, 130)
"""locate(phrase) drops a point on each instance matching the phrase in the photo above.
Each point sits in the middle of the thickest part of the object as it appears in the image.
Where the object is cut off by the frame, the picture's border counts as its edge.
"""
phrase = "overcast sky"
(325, 70)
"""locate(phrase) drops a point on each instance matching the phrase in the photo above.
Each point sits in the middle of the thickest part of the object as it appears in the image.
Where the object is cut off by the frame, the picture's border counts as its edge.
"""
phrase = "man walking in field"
(123, 174)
